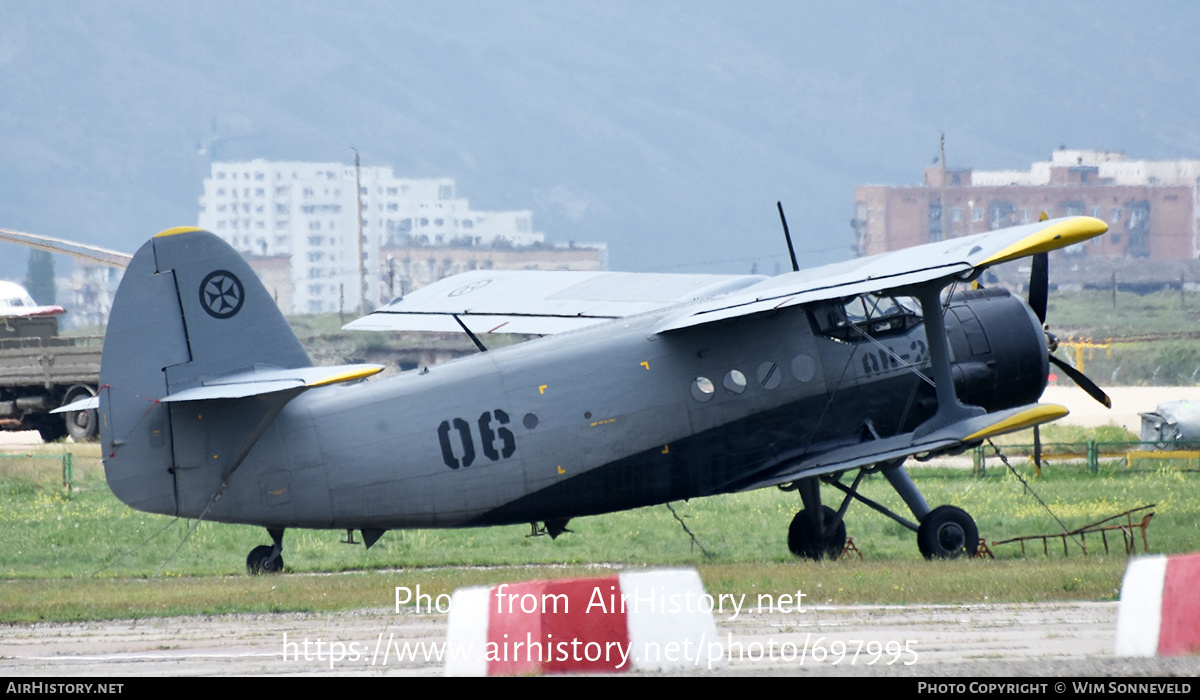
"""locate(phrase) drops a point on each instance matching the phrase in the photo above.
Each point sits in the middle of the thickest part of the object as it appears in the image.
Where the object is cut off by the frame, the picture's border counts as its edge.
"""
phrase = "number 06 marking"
(487, 439)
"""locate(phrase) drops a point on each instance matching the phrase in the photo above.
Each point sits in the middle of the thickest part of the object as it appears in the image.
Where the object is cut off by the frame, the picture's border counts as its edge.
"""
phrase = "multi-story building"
(1152, 207)
(296, 224)
(410, 267)
(89, 292)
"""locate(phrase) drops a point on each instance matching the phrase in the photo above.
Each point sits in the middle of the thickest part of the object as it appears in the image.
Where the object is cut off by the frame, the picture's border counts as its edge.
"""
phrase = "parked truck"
(41, 370)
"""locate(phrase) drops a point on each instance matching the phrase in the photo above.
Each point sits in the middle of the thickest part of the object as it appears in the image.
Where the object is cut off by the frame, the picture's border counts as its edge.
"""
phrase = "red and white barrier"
(647, 620)
(1159, 613)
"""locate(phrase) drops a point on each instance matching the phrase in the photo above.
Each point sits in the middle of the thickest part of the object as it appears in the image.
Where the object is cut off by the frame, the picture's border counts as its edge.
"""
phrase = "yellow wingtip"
(176, 230)
(349, 375)
(1058, 234)
(1034, 415)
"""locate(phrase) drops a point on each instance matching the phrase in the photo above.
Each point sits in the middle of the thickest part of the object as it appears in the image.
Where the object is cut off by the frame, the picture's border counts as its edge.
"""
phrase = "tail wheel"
(81, 425)
(264, 559)
(947, 533)
(804, 540)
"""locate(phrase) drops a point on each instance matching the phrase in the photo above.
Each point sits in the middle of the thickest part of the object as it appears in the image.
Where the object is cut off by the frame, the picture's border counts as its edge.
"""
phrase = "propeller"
(1039, 285)
(1039, 294)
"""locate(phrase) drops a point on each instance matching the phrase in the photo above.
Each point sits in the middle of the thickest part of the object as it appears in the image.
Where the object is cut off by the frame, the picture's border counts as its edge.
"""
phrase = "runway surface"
(1065, 639)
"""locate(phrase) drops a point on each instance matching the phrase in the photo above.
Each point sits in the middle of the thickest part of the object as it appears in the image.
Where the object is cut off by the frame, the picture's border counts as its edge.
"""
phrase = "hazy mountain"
(667, 129)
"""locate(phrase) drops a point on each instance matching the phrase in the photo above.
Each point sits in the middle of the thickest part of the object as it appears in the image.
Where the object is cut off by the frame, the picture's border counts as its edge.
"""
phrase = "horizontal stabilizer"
(268, 380)
(255, 382)
(863, 454)
(541, 301)
(90, 403)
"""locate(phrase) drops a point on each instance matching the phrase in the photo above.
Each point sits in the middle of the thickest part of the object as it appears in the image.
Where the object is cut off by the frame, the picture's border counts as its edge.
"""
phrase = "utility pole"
(362, 265)
(942, 192)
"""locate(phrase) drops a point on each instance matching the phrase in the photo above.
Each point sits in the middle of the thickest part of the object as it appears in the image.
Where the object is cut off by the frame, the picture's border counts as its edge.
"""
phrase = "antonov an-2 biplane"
(645, 389)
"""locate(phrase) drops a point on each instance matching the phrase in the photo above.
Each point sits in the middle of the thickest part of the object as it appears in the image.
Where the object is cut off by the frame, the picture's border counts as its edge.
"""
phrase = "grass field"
(1142, 351)
(86, 555)
(1093, 313)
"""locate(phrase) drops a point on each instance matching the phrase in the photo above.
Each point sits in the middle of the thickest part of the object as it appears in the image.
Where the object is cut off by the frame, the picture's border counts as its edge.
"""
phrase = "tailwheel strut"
(267, 559)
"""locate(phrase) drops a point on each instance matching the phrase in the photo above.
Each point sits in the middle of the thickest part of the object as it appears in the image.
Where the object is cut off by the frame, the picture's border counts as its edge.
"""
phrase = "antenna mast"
(362, 264)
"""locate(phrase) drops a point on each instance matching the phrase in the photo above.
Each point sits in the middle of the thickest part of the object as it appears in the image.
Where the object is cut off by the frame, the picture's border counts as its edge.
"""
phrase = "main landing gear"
(817, 531)
(945, 532)
(815, 540)
(266, 559)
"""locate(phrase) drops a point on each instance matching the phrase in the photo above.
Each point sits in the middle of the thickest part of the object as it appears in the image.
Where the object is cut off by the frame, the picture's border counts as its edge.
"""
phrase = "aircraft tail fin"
(189, 310)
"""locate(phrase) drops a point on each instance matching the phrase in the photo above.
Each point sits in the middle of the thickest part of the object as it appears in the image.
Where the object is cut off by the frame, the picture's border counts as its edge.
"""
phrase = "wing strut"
(474, 338)
(949, 409)
(852, 493)
(273, 403)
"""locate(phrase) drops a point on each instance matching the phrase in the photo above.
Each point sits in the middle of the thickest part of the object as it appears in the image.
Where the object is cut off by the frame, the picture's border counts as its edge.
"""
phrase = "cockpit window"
(867, 314)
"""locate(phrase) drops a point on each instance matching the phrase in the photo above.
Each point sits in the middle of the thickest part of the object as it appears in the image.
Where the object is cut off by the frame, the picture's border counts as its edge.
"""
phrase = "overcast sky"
(666, 129)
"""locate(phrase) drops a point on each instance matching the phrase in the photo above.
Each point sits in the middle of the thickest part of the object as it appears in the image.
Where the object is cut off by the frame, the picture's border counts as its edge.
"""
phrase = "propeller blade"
(1039, 285)
(1037, 449)
(1084, 383)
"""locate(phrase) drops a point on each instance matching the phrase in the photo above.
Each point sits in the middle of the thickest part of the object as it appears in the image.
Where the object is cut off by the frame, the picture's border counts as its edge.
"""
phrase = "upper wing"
(541, 301)
(887, 271)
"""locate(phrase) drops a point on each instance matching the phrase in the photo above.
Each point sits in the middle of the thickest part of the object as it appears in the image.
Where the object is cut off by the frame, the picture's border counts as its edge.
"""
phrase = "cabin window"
(703, 389)
(866, 315)
(734, 382)
(769, 375)
(804, 367)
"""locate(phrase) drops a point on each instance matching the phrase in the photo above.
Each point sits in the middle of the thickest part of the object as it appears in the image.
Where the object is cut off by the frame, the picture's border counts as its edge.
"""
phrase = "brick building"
(1150, 206)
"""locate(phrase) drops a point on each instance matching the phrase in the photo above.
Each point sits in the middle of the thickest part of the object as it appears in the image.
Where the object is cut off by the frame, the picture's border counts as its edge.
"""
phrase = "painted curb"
(1159, 613)
(639, 621)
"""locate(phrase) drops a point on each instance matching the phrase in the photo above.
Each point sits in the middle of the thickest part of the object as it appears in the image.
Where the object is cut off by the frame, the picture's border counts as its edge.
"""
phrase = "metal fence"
(1148, 456)
(66, 460)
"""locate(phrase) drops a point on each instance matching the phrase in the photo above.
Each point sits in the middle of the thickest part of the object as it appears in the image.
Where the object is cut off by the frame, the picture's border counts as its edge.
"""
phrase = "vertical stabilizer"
(189, 309)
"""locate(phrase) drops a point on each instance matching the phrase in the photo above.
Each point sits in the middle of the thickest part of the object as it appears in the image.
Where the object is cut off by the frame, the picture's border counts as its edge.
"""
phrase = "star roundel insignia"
(221, 294)
(468, 288)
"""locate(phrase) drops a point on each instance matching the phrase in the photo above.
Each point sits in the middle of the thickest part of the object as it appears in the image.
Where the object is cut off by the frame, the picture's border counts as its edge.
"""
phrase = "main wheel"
(81, 425)
(946, 533)
(260, 561)
(804, 541)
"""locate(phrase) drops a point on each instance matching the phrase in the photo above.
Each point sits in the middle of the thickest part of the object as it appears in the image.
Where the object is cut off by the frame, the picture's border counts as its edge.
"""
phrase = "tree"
(39, 280)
